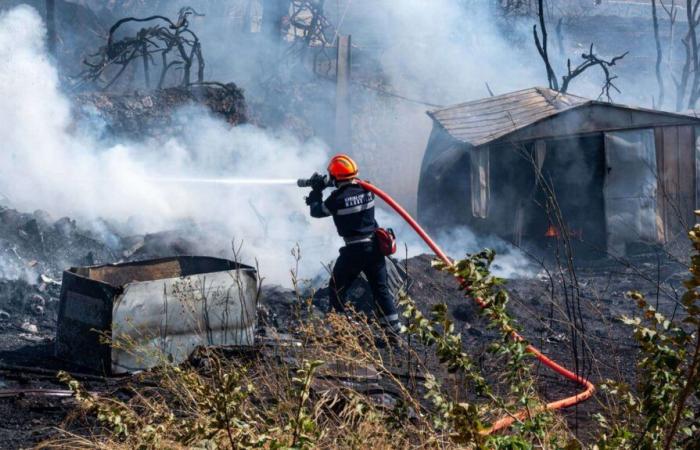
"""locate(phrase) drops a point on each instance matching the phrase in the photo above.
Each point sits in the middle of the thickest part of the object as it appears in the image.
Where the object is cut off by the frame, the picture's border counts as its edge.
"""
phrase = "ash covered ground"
(42, 247)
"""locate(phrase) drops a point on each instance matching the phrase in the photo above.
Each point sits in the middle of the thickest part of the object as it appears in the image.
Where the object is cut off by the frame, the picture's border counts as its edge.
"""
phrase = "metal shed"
(623, 177)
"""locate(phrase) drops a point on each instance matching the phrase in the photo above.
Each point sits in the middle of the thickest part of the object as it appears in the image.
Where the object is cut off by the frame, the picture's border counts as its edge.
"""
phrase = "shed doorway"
(569, 197)
(630, 191)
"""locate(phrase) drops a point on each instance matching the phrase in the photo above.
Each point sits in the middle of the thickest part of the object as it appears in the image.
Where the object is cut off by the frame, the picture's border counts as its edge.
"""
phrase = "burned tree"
(310, 28)
(589, 60)
(51, 26)
(274, 15)
(687, 82)
(672, 13)
(179, 48)
(685, 87)
(514, 7)
(659, 52)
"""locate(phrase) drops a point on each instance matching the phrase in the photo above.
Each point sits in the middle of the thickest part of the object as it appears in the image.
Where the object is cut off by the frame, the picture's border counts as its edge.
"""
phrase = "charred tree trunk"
(693, 43)
(659, 55)
(542, 47)
(682, 85)
(685, 88)
(273, 15)
(51, 26)
(589, 60)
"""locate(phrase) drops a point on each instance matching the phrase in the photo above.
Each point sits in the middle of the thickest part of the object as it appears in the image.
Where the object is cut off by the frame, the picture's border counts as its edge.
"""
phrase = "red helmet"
(342, 168)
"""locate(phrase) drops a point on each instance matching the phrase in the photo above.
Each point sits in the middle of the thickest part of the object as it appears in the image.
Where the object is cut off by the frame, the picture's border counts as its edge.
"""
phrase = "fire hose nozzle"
(317, 181)
(302, 183)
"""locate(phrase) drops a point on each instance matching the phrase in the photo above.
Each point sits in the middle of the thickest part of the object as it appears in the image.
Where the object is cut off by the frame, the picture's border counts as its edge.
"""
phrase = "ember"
(551, 232)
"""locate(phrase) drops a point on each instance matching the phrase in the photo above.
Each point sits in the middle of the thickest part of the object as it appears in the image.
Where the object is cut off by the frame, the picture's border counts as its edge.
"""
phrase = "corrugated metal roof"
(481, 121)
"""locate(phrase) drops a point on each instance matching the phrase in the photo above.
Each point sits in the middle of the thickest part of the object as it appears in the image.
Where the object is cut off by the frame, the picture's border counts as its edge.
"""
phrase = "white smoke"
(47, 164)
(54, 164)
(440, 52)
(445, 51)
(459, 241)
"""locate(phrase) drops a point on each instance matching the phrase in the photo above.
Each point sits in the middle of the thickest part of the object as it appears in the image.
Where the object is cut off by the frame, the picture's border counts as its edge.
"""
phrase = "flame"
(551, 232)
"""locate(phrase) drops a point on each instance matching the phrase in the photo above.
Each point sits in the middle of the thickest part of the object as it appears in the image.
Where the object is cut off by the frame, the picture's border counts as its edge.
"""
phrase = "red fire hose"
(505, 421)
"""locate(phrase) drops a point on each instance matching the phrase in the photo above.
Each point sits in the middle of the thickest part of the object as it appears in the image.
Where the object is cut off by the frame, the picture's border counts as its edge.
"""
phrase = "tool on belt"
(386, 241)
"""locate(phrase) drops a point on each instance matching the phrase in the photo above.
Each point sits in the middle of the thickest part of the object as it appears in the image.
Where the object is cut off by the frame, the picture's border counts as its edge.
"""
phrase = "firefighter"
(352, 208)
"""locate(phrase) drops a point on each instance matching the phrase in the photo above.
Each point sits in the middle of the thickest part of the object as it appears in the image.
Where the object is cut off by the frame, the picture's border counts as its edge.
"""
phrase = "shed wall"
(631, 189)
(675, 159)
(444, 190)
(596, 118)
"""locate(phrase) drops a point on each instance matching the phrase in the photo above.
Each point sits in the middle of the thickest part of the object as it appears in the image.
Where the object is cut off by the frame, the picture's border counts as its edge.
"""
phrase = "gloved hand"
(316, 196)
(318, 182)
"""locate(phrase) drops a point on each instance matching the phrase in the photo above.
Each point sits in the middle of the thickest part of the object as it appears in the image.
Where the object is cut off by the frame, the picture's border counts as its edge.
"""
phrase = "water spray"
(226, 181)
(315, 181)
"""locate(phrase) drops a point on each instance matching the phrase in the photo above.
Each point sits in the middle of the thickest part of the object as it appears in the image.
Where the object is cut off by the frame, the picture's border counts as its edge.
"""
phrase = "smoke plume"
(50, 164)
(54, 164)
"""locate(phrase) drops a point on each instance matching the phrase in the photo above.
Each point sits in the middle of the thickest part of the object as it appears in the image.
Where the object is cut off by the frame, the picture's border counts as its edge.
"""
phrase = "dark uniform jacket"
(352, 208)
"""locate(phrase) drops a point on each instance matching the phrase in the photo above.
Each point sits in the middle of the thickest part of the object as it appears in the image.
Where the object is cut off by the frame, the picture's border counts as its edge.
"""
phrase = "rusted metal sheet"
(120, 275)
(686, 175)
(541, 113)
(696, 163)
(153, 311)
(676, 160)
(630, 189)
(482, 121)
(480, 188)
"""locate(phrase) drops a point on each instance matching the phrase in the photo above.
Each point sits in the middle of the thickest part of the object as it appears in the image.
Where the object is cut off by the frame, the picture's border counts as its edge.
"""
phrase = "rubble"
(29, 328)
(140, 114)
(36, 248)
(32, 245)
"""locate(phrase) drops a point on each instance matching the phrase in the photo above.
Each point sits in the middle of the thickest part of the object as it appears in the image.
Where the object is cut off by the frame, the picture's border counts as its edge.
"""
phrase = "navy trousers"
(364, 258)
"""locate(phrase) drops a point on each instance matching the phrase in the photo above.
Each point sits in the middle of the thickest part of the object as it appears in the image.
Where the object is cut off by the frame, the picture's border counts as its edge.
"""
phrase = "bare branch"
(542, 47)
(659, 53)
(591, 60)
(165, 36)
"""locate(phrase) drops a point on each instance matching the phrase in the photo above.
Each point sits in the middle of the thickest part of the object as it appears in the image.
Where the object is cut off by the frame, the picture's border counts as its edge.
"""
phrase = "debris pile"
(141, 114)
(35, 247)
(28, 311)
(35, 244)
